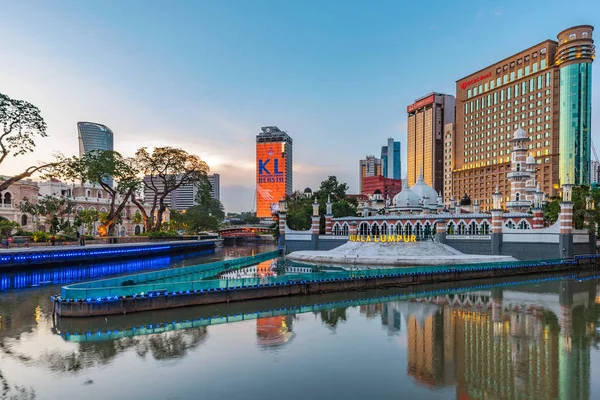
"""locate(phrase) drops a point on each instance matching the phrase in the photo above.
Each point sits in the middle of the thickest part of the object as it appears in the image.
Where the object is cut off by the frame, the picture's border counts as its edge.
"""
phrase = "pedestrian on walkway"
(53, 240)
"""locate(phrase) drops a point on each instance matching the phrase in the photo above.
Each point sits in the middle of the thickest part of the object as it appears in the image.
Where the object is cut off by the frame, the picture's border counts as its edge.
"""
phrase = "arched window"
(336, 230)
(523, 225)
(517, 196)
(399, 228)
(462, 228)
(364, 230)
(79, 210)
(408, 229)
(88, 193)
(345, 230)
(384, 229)
(137, 230)
(419, 230)
(510, 224)
(428, 233)
(99, 194)
(23, 220)
(473, 228)
(7, 201)
(518, 167)
(485, 228)
(375, 230)
(92, 208)
(450, 228)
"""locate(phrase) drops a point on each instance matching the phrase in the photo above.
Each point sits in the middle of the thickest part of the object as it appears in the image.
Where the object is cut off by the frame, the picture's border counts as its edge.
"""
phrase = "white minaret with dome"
(520, 173)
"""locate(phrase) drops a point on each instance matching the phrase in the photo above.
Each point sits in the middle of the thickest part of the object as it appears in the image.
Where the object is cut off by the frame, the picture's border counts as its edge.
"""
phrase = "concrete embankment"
(51, 256)
(122, 305)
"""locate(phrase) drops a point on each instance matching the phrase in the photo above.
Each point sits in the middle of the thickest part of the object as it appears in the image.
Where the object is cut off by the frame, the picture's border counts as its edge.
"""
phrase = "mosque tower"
(519, 173)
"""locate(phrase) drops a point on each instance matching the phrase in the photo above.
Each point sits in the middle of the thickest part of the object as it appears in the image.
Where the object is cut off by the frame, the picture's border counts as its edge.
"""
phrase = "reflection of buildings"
(502, 344)
(274, 331)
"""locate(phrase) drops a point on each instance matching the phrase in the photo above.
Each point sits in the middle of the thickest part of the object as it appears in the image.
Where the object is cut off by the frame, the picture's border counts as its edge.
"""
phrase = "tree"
(56, 212)
(165, 170)
(98, 167)
(87, 218)
(7, 227)
(195, 219)
(583, 218)
(21, 125)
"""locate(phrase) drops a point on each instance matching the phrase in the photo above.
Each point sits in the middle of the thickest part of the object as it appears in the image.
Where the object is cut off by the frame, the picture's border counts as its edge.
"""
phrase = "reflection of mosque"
(265, 269)
(500, 344)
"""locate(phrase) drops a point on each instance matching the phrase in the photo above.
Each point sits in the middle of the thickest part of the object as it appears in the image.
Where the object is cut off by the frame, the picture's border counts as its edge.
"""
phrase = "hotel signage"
(468, 83)
(421, 103)
(384, 238)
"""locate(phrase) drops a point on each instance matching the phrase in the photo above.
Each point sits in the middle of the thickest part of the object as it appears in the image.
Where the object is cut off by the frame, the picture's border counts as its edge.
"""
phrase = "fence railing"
(142, 285)
(160, 280)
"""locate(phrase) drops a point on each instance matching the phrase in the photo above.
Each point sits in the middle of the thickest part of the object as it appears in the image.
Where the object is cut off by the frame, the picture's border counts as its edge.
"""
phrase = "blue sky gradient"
(206, 75)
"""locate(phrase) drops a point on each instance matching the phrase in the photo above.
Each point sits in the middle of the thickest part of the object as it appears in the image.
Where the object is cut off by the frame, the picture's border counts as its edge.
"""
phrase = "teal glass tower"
(574, 56)
(93, 136)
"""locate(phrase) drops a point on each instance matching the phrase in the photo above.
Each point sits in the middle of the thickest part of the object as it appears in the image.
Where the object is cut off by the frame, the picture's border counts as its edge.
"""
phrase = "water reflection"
(506, 340)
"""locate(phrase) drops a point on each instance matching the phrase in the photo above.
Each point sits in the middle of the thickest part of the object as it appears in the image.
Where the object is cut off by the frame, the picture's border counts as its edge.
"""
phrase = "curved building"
(574, 56)
(93, 136)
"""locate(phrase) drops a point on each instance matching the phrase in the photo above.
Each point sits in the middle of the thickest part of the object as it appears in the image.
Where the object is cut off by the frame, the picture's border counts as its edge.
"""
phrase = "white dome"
(531, 159)
(520, 134)
(425, 192)
(406, 198)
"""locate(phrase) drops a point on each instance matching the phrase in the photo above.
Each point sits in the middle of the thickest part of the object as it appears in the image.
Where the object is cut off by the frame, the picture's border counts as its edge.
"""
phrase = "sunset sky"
(337, 75)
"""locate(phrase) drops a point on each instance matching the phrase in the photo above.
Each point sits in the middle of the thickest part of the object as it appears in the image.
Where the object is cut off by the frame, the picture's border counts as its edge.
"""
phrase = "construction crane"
(597, 171)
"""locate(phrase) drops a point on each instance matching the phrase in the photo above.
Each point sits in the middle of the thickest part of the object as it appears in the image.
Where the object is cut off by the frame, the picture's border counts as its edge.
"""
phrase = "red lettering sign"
(468, 83)
(421, 103)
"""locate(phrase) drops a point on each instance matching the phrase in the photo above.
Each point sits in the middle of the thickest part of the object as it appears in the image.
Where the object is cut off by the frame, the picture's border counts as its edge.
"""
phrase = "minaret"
(530, 185)
(519, 173)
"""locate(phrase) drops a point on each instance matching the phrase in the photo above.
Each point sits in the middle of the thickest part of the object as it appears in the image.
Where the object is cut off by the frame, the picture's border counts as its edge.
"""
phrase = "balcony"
(10, 204)
(518, 174)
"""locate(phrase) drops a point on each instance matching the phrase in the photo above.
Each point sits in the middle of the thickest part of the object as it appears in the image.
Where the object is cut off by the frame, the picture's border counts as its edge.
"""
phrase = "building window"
(535, 66)
(543, 64)
(469, 93)
(527, 69)
(572, 36)
(505, 79)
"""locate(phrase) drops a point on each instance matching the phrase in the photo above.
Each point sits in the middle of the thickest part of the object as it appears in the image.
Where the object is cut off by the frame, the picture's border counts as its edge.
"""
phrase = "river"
(512, 339)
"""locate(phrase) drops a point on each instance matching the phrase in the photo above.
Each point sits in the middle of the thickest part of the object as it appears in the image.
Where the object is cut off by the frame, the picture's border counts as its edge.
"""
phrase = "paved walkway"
(393, 254)
(37, 249)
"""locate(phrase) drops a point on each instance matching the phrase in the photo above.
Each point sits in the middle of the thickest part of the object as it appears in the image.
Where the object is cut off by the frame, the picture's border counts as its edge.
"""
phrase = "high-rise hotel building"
(427, 117)
(546, 90)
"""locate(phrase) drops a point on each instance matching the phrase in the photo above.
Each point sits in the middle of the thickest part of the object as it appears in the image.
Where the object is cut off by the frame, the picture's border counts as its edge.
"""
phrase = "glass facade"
(94, 136)
(575, 123)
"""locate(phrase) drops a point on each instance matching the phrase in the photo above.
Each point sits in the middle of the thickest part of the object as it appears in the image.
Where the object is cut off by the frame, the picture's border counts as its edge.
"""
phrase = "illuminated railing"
(178, 279)
(176, 283)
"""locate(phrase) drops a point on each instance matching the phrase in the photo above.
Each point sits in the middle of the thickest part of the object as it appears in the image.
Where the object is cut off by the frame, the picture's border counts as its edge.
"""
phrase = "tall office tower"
(544, 90)
(449, 136)
(273, 169)
(426, 119)
(184, 197)
(93, 136)
(390, 157)
(574, 56)
(371, 166)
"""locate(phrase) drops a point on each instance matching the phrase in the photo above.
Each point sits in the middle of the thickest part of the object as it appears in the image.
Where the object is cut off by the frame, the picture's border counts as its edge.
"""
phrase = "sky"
(205, 76)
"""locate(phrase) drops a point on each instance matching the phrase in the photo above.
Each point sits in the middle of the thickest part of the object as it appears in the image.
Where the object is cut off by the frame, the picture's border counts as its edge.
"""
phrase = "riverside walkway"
(189, 286)
(52, 255)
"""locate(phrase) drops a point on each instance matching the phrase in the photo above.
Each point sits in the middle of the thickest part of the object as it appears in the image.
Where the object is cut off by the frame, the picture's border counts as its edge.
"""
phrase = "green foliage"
(160, 234)
(21, 232)
(21, 124)
(39, 236)
(87, 218)
(7, 228)
(195, 219)
(300, 207)
(56, 212)
(582, 217)
(246, 218)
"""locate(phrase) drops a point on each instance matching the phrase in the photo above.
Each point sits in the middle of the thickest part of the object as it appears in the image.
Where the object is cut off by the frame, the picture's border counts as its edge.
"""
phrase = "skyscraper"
(426, 119)
(93, 136)
(273, 169)
(574, 56)
(370, 166)
(390, 157)
(183, 197)
(545, 90)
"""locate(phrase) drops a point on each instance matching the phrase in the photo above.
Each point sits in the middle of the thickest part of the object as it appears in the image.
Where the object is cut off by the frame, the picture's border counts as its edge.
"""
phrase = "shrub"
(21, 232)
(40, 236)
(160, 234)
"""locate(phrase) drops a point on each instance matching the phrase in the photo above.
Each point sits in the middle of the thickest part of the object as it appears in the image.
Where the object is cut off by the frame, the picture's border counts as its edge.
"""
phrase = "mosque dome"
(424, 191)
(531, 160)
(520, 134)
(307, 190)
(406, 198)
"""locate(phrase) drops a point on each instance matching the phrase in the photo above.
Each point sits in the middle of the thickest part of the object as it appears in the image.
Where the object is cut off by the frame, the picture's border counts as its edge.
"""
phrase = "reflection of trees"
(163, 346)
(333, 317)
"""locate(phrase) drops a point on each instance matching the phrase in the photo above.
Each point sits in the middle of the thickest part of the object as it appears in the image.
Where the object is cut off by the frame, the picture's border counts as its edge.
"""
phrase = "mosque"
(416, 209)
(515, 228)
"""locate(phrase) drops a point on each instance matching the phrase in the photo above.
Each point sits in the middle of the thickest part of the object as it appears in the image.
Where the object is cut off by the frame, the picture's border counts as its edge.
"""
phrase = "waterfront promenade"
(13, 258)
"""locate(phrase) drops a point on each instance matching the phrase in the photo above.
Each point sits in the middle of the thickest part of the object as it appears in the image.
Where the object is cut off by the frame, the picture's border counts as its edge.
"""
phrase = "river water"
(522, 338)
